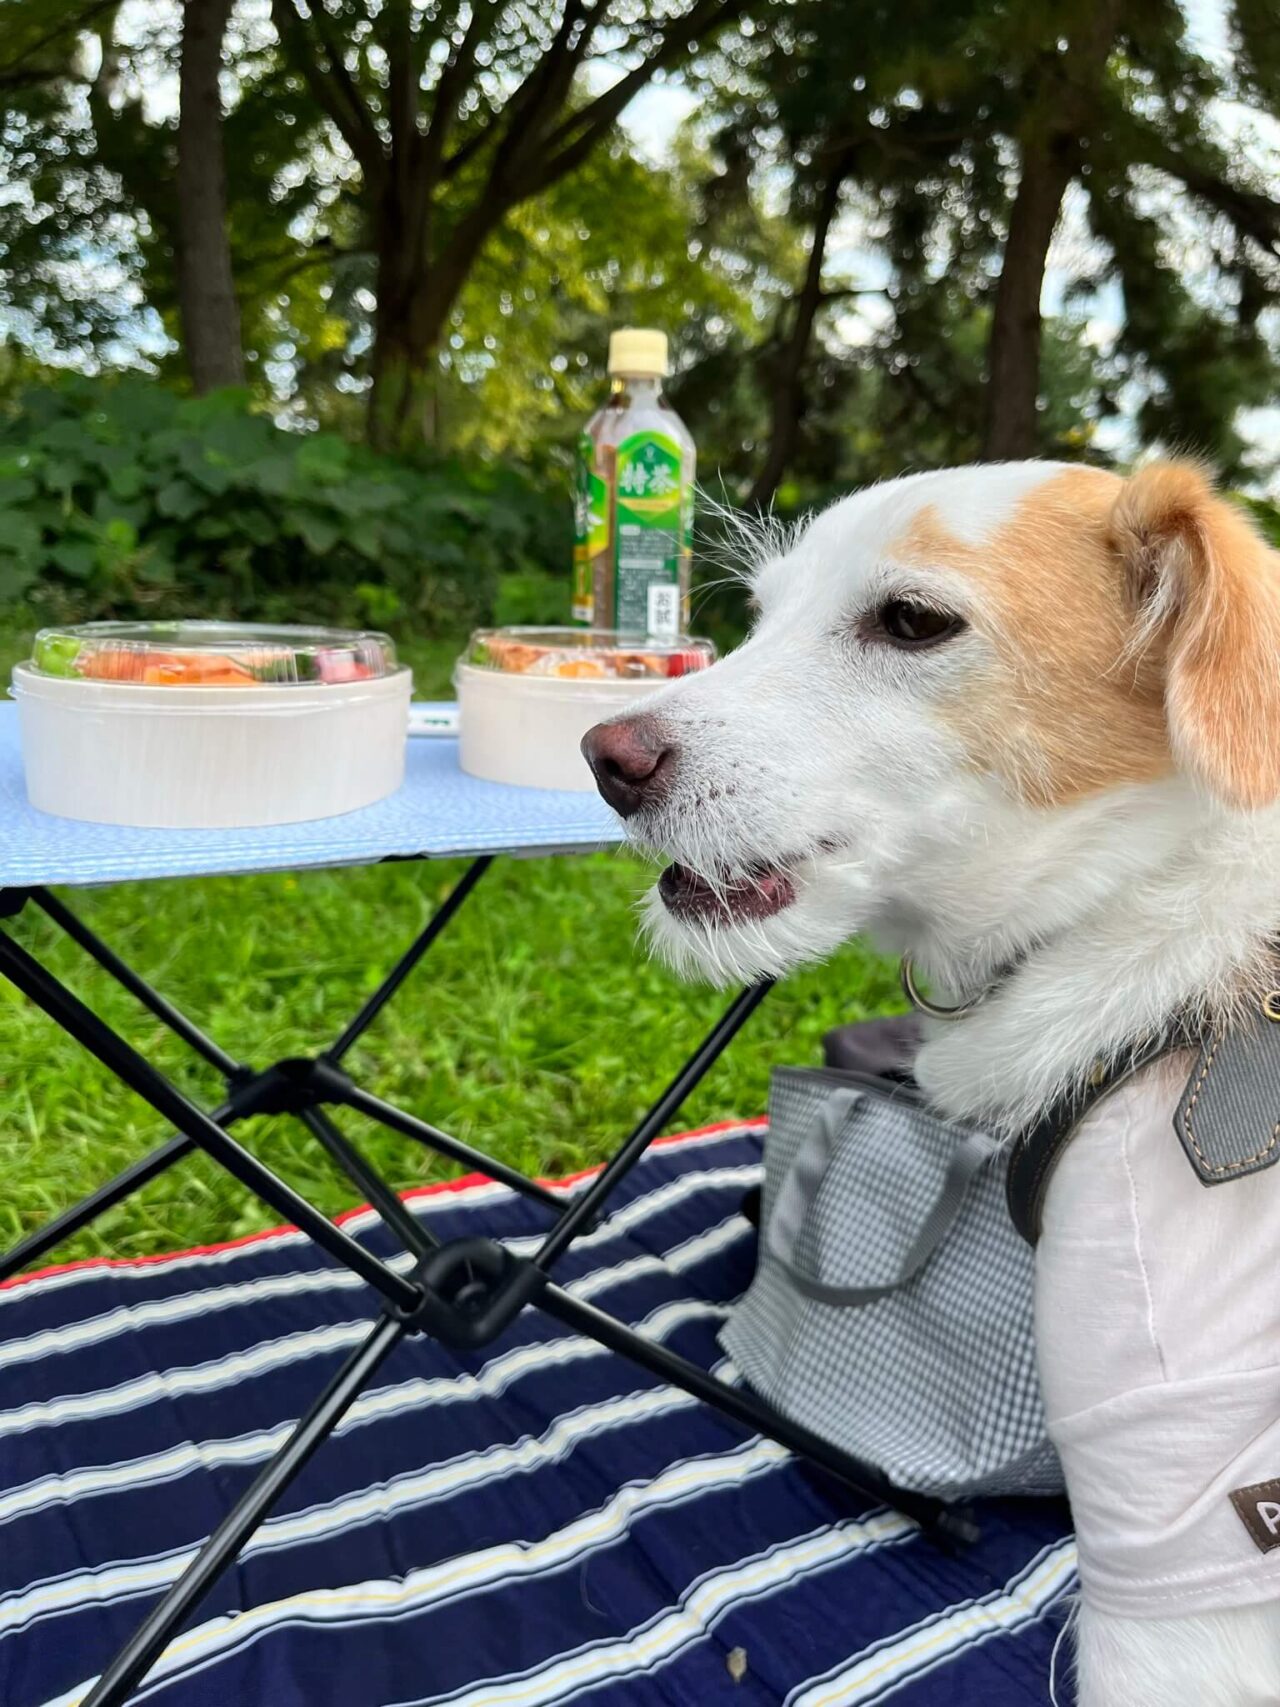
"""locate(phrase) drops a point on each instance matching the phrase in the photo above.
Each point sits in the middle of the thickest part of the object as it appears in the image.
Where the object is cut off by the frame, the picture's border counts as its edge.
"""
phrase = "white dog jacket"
(1158, 1333)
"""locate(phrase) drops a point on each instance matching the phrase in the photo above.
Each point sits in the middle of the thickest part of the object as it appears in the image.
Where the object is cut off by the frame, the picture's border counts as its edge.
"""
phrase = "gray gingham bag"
(891, 1311)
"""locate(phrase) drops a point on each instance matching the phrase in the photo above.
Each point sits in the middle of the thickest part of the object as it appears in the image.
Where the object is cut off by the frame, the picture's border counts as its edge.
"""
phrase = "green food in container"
(56, 653)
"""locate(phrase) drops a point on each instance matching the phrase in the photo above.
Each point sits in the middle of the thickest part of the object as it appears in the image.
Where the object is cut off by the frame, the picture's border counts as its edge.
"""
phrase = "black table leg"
(408, 960)
(443, 1143)
(125, 1183)
(497, 1285)
(134, 1070)
(163, 1009)
(242, 1082)
(153, 1635)
(585, 1206)
(744, 1408)
(389, 1204)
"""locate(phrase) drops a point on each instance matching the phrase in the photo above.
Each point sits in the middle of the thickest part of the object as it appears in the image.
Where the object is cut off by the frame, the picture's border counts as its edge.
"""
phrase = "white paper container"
(528, 729)
(198, 758)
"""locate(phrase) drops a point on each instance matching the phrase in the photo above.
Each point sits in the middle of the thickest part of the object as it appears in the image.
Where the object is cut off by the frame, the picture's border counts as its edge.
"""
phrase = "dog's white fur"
(866, 772)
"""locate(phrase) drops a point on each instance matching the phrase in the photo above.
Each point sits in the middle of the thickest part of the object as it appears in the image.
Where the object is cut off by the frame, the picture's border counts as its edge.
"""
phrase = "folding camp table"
(463, 1292)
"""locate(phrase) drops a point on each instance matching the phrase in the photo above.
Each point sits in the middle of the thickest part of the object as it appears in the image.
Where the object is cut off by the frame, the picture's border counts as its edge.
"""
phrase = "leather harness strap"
(1228, 1120)
(1035, 1153)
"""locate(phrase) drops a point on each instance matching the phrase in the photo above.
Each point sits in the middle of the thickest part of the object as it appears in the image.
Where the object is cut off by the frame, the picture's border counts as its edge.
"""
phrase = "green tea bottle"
(634, 499)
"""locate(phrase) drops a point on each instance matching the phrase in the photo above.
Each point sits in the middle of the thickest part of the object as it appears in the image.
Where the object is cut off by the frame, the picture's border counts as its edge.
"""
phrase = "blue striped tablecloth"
(536, 1522)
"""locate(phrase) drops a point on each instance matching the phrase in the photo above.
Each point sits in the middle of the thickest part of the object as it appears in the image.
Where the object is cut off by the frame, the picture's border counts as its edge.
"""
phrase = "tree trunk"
(413, 311)
(430, 223)
(404, 402)
(787, 400)
(417, 292)
(1050, 158)
(1013, 353)
(207, 302)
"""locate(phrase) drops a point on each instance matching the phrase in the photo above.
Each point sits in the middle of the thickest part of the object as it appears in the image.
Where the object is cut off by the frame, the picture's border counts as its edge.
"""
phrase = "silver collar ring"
(934, 1010)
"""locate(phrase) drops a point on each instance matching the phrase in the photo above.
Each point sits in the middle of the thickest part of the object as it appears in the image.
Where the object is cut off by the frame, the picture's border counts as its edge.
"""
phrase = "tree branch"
(570, 143)
(843, 292)
(333, 52)
(68, 26)
(1252, 213)
(454, 79)
(538, 102)
(315, 258)
(563, 51)
(787, 402)
(33, 79)
(331, 84)
(403, 74)
(559, 69)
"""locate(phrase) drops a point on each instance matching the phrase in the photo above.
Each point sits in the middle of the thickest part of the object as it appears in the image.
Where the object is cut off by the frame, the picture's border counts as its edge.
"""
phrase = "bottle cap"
(638, 353)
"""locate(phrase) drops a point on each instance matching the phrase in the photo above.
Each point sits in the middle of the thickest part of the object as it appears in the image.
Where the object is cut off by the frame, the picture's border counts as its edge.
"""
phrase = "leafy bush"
(122, 498)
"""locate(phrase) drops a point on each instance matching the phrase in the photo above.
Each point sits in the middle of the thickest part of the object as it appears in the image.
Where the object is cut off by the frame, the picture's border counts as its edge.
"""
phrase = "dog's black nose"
(632, 761)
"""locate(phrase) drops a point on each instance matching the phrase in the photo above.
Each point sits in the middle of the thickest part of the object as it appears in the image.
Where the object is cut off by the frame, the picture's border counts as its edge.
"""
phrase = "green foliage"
(924, 108)
(615, 244)
(1267, 518)
(908, 398)
(70, 261)
(574, 253)
(124, 497)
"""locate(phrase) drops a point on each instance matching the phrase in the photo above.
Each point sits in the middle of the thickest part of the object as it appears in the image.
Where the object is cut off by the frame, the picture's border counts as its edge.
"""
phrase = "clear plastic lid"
(586, 654)
(211, 654)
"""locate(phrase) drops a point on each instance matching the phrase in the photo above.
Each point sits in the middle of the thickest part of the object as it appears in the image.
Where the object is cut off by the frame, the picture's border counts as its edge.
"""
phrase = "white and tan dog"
(1028, 716)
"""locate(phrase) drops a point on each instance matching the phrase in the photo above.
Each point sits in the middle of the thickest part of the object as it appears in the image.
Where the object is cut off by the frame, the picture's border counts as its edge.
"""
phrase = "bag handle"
(803, 1181)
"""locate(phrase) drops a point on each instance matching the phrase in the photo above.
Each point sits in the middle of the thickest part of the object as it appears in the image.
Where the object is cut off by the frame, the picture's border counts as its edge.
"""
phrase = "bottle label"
(651, 509)
(590, 528)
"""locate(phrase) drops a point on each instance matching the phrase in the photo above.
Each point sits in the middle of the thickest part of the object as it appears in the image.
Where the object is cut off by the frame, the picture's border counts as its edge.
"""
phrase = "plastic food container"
(202, 725)
(527, 696)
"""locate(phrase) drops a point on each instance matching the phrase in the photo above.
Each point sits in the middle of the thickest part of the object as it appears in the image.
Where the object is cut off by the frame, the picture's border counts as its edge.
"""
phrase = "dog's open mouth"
(756, 894)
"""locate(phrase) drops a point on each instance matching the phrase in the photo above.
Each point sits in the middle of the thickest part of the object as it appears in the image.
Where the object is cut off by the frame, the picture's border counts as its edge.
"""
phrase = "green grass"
(536, 1029)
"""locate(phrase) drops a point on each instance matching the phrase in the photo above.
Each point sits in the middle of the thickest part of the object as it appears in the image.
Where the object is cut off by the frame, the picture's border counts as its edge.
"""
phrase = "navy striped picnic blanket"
(536, 1522)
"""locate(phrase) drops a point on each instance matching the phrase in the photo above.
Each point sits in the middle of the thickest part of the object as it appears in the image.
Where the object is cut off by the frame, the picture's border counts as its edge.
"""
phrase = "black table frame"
(463, 1292)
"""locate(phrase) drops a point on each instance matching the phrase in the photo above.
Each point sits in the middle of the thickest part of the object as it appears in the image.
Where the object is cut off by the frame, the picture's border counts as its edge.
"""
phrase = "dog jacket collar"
(1228, 1118)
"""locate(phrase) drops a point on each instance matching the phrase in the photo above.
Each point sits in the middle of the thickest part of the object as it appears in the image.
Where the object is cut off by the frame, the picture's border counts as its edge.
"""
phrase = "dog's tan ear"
(1206, 592)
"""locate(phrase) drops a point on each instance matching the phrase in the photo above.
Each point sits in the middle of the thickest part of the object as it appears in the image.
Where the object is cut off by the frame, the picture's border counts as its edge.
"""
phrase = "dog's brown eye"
(907, 623)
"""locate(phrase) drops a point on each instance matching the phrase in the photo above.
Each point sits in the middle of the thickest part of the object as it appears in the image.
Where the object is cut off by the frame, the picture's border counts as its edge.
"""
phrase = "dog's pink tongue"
(772, 889)
(758, 895)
